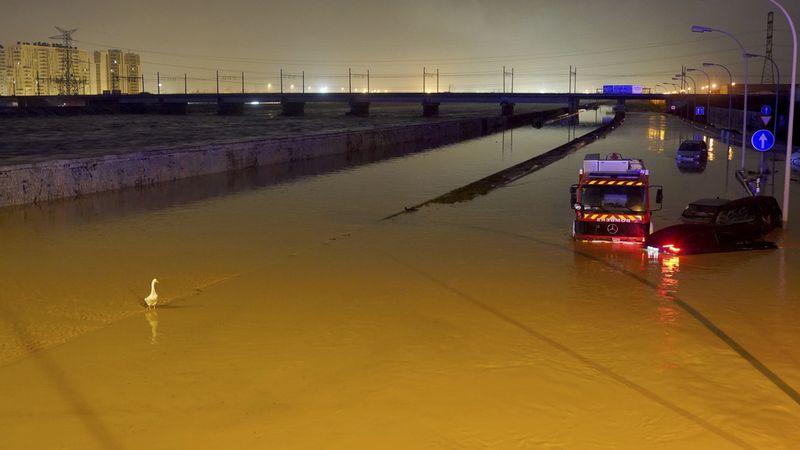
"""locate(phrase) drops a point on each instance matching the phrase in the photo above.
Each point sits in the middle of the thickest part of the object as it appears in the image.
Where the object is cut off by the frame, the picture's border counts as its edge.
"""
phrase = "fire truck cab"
(612, 200)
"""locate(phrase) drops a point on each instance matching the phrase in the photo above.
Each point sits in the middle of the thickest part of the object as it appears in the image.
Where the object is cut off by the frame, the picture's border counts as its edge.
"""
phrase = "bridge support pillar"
(359, 109)
(574, 105)
(673, 106)
(430, 109)
(172, 108)
(293, 108)
(230, 109)
(98, 104)
(507, 109)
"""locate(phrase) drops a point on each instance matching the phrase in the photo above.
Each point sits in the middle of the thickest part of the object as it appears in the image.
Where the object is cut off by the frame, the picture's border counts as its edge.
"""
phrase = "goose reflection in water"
(152, 318)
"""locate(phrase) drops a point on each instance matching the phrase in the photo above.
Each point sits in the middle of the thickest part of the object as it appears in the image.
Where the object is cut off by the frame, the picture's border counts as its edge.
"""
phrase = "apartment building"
(39, 68)
(116, 71)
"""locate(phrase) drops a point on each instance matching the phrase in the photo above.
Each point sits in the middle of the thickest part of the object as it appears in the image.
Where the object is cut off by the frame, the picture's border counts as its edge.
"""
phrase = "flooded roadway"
(294, 318)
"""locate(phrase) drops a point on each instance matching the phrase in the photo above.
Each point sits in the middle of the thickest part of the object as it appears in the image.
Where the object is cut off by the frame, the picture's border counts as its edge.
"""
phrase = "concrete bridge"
(294, 103)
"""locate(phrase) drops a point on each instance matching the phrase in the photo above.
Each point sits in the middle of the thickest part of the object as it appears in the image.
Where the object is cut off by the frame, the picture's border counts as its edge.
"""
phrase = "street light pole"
(790, 132)
(702, 29)
(730, 86)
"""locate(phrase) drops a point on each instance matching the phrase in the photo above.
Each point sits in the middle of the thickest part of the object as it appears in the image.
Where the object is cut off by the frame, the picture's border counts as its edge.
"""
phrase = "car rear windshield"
(690, 147)
(700, 211)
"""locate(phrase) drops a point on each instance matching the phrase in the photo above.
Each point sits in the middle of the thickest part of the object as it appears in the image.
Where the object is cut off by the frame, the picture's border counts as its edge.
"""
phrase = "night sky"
(469, 41)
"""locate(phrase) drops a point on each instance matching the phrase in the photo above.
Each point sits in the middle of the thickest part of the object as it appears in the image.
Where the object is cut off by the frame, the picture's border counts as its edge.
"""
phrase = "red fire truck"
(612, 200)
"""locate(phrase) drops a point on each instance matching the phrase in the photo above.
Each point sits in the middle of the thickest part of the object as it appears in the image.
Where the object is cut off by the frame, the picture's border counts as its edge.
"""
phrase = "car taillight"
(671, 248)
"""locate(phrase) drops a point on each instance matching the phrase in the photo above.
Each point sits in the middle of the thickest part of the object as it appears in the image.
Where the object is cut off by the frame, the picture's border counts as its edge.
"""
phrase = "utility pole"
(242, 82)
(303, 78)
(684, 85)
(218, 82)
(67, 82)
(768, 56)
(424, 74)
(505, 75)
(437, 81)
(575, 79)
(281, 81)
(349, 80)
(368, 80)
(185, 84)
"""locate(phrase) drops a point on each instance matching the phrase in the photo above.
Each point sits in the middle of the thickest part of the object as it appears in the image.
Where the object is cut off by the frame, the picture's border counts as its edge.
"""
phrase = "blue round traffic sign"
(763, 140)
(766, 110)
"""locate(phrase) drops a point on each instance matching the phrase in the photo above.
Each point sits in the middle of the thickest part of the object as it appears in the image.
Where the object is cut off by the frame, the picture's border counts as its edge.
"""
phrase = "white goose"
(152, 299)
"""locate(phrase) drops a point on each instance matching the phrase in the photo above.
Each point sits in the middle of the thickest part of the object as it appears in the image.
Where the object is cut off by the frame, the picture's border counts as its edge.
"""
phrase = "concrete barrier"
(50, 180)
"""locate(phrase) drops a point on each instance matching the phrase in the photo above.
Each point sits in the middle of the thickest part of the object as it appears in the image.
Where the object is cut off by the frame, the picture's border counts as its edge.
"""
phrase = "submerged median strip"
(505, 176)
(64, 178)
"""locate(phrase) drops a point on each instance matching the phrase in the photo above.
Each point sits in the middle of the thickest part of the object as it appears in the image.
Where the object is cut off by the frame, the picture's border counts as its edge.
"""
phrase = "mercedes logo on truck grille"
(612, 228)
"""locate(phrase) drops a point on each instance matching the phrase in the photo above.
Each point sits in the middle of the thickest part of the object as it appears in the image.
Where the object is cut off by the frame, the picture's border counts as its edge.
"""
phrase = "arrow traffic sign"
(763, 140)
(766, 110)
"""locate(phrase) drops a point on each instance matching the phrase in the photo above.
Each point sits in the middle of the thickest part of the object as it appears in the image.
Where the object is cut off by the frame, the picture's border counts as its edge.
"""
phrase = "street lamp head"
(707, 64)
(753, 55)
(701, 29)
(691, 69)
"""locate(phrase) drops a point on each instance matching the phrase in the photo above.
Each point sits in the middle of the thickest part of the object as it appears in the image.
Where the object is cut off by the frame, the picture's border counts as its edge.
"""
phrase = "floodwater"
(293, 317)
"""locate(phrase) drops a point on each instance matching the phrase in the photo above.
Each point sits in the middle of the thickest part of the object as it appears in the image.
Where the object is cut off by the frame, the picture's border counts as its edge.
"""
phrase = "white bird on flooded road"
(152, 299)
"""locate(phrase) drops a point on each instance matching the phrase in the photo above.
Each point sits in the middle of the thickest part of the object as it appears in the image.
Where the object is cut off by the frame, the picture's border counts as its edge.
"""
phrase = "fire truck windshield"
(613, 198)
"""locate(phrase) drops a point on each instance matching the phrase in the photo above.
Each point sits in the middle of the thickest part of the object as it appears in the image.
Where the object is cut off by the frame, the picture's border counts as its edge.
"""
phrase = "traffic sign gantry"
(763, 140)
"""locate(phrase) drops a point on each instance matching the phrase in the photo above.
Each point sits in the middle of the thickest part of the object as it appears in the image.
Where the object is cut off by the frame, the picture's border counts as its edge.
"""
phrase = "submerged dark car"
(694, 238)
(760, 214)
(692, 151)
(719, 225)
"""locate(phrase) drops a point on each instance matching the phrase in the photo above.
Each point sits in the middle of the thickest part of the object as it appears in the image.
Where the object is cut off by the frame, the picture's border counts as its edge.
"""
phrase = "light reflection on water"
(668, 312)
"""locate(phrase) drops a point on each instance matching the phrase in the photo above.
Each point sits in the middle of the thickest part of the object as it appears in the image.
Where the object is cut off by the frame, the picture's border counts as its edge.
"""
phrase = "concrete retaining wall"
(50, 180)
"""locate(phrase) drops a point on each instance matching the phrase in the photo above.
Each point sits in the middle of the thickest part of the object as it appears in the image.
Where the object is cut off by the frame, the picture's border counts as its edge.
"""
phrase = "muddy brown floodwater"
(293, 318)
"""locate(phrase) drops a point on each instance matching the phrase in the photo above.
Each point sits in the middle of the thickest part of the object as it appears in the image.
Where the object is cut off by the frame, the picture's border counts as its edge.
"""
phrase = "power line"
(462, 60)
